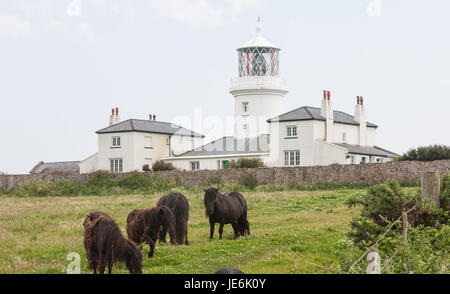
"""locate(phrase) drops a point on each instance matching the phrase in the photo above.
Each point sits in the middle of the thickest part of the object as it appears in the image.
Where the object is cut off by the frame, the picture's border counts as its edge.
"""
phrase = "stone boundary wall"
(404, 171)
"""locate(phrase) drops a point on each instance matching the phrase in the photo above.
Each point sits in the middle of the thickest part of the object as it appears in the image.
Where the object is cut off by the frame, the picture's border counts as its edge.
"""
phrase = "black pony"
(179, 205)
(230, 208)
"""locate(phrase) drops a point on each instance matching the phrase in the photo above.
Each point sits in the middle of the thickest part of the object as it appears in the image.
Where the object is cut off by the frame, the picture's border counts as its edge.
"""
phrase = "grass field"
(292, 232)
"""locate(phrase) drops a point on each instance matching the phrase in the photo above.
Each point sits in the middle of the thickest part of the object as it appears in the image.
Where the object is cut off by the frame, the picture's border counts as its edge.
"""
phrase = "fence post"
(430, 185)
(405, 226)
(374, 265)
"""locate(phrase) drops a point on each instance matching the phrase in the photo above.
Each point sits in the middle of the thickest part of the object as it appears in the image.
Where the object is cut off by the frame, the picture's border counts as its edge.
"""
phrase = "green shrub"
(245, 163)
(428, 153)
(162, 166)
(146, 168)
(248, 181)
(383, 204)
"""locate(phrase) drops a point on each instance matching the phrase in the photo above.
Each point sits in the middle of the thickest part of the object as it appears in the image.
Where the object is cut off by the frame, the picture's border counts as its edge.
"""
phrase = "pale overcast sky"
(62, 69)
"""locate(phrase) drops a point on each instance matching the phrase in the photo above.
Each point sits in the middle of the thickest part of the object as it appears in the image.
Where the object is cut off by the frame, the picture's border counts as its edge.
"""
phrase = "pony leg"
(162, 235)
(236, 230)
(211, 230)
(171, 235)
(221, 231)
(109, 267)
(152, 250)
(102, 265)
(185, 236)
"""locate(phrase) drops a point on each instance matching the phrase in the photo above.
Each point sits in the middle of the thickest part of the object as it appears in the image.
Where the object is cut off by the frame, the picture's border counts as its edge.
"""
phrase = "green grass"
(292, 232)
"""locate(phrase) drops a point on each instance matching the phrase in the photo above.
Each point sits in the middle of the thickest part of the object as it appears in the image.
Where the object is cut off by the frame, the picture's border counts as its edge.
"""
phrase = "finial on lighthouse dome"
(258, 26)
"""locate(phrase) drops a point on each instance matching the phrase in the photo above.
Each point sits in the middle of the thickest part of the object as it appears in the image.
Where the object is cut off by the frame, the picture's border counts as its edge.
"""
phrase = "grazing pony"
(229, 271)
(154, 220)
(230, 208)
(105, 245)
(136, 226)
(179, 205)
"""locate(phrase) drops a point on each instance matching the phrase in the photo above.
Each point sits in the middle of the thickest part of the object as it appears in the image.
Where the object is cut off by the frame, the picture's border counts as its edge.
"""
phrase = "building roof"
(231, 146)
(313, 113)
(366, 150)
(55, 167)
(149, 126)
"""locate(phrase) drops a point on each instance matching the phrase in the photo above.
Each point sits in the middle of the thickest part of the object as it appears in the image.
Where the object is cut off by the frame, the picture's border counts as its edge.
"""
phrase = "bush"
(249, 181)
(383, 204)
(162, 166)
(146, 168)
(428, 153)
(245, 163)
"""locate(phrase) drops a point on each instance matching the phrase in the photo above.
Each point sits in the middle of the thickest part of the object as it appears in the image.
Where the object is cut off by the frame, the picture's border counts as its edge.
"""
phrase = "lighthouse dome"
(258, 41)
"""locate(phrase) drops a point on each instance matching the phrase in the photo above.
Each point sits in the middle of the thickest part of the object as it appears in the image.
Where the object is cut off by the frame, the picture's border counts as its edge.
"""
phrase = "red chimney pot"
(328, 95)
(324, 95)
(117, 110)
(113, 111)
(362, 100)
(154, 117)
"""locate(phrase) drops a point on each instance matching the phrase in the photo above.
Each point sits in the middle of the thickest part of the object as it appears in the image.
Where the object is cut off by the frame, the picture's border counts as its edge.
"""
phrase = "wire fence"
(378, 241)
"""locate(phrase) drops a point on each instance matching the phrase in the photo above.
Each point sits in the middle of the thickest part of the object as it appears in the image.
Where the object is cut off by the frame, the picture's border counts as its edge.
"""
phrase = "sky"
(65, 63)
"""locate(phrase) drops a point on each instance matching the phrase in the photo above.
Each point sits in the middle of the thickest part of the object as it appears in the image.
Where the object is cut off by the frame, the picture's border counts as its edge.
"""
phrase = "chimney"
(154, 117)
(112, 118)
(327, 113)
(360, 117)
(117, 115)
(149, 117)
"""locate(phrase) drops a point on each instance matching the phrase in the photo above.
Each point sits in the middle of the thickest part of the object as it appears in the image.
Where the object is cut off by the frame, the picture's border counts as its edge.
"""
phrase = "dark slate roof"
(149, 126)
(366, 150)
(230, 146)
(55, 167)
(313, 113)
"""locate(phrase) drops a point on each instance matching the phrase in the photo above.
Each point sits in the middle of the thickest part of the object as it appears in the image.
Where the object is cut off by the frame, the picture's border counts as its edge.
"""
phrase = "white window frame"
(148, 142)
(116, 141)
(195, 165)
(291, 131)
(116, 165)
(292, 158)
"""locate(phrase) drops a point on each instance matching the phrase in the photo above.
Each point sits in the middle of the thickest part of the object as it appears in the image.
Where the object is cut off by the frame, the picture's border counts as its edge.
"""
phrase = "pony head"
(209, 199)
(133, 258)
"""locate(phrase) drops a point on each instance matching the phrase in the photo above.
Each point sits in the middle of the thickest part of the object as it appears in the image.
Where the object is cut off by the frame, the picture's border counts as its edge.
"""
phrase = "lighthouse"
(259, 90)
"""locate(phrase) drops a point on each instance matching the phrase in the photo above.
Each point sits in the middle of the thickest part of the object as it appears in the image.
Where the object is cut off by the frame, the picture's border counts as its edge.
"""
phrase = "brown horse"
(157, 219)
(179, 205)
(230, 208)
(105, 245)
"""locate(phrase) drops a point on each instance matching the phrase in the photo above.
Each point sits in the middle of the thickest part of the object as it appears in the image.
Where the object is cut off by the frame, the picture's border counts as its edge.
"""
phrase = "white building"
(302, 137)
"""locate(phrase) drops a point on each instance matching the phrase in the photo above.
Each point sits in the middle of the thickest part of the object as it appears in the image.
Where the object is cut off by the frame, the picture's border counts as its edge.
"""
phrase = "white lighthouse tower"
(258, 91)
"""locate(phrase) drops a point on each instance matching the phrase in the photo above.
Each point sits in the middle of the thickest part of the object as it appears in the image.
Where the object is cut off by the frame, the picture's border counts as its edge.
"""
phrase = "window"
(148, 142)
(363, 159)
(195, 165)
(245, 107)
(291, 131)
(116, 141)
(344, 137)
(292, 158)
(116, 165)
(352, 159)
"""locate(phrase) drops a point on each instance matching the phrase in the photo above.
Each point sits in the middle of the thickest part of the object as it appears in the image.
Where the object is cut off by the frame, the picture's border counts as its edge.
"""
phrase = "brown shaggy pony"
(105, 245)
(179, 205)
(145, 225)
